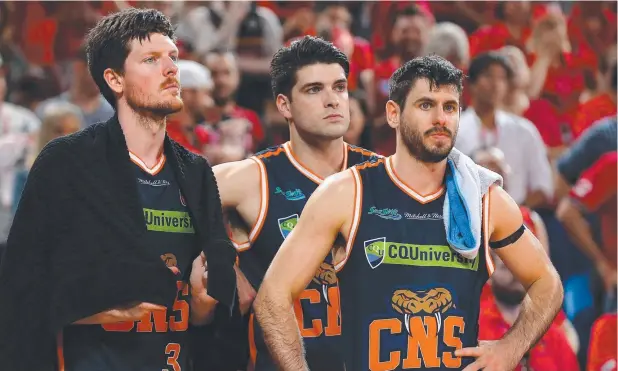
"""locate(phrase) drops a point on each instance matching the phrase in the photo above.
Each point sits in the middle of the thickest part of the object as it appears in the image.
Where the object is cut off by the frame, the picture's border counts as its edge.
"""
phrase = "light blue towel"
(466, 184)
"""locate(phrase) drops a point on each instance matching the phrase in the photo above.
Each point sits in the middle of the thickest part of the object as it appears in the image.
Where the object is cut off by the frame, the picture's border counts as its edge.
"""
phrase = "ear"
(393, 114)
(114, 80)
(283, 105)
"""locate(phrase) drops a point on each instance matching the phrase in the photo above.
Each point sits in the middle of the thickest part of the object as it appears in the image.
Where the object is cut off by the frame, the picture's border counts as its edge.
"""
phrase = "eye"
(174, 58)
(341, 88)
(425, 106)
(150, 60)
(450, 108)
(313, 90)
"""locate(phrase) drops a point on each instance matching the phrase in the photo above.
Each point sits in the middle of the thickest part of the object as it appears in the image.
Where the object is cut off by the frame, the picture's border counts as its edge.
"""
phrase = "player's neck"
(323, 158)
(144, 135)
(423, 177)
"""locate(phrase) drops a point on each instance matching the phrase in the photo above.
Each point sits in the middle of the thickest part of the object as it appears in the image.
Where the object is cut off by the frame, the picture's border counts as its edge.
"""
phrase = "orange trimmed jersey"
(159, 341)
(408, 300)
(286, 185)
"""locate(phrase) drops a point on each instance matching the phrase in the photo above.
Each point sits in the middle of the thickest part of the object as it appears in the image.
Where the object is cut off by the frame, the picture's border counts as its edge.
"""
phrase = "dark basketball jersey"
(286, 185)
(407, 299)
(158, 341)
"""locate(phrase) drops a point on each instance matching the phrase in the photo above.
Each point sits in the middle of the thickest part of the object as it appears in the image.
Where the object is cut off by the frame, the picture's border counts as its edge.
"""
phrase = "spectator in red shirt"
(497, 314)
(602, 350)
(595, 191)
(226, 78)
(603, 104)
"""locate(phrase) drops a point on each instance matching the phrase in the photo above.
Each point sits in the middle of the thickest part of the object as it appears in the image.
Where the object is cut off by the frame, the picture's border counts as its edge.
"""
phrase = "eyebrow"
(320, 84)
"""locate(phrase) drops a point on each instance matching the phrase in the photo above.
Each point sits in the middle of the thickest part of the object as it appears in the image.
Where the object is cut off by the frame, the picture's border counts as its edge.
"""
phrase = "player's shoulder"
(358, 154)
(239, 172)
(370, 164)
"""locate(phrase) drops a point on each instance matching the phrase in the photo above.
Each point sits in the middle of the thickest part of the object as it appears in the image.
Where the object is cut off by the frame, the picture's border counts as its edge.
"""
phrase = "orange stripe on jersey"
(423, 199)
(60, 351)
(152, 171)
(366, 165)
(305, 170)
(362, 151)
(271, 153)
(489, 262)
(259, 223)
(251, 334)
(356, 216)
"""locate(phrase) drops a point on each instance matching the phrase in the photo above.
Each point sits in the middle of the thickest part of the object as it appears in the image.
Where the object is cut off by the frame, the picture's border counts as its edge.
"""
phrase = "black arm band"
(508, 240)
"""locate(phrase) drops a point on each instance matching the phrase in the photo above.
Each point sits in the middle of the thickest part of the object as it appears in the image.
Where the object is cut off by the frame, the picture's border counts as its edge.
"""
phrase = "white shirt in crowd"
(524, 151)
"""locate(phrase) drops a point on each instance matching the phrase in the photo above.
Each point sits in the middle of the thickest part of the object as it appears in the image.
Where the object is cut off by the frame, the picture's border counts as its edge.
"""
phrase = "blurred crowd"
(539, 107)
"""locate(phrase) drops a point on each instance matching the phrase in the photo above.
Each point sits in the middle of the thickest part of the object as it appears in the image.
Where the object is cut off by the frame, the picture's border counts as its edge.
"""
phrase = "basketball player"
(143, 88)
(407, 300)
(267, 193)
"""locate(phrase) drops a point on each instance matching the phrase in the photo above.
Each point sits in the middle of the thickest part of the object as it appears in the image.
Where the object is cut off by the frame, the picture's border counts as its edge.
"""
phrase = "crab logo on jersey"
(374, 251)
(435, 301)
(326, 277)
(169, 260)
(287, 224)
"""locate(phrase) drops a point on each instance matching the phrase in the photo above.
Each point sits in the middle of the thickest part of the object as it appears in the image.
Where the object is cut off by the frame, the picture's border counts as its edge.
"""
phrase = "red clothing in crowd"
(602, 350)
(596, 190)
(548, 121)
(551, 353)
(362, 59)
(592, 110)
(590, 35)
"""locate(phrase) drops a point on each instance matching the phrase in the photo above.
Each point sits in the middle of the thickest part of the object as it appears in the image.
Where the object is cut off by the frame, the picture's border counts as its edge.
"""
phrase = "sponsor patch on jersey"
(287, 224)
(379, 251)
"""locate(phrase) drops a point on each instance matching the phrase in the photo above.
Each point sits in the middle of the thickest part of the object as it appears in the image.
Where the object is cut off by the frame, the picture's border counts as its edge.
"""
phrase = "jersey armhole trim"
(356, 216)
(489, 262)
(259, 223)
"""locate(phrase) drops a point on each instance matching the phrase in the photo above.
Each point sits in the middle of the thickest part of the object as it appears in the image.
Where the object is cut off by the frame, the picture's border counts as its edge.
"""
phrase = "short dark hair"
(107, 44)
(306, 51)
(482, 62)
(439, 72)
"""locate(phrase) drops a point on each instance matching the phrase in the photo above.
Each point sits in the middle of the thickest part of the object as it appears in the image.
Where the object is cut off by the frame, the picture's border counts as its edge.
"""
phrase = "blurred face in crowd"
(196, 100)
(225, 76)
(409, 35)
(150, 81)
(521, 71)
(506, 288)
(490, 87)
(335, 16)
(517, 11)
(318, 105)
(428, 122)
(82, 79)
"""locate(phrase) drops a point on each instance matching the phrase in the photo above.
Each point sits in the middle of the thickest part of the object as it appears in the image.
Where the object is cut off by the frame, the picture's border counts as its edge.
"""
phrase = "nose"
(440, 116)
(331, 98)
(170, 68)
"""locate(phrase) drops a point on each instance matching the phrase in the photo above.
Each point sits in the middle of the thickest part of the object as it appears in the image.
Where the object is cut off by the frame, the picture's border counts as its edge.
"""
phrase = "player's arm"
(239, 183)
(594, 188)
(525, 257)
(325, 215)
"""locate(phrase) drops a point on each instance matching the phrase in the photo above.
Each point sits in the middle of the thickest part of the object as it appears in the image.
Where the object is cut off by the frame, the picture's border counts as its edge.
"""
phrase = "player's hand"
(199, 277)
(246, 292)
(490, 356)
(130, 313)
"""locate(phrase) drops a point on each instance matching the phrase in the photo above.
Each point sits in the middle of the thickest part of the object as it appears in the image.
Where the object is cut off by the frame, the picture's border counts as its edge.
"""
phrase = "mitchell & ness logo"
(154, 183)
(294, 195)
(391, 214)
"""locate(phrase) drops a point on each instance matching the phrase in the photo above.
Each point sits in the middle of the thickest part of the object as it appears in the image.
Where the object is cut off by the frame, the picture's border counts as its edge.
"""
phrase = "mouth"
(171, 86)
(333, 116)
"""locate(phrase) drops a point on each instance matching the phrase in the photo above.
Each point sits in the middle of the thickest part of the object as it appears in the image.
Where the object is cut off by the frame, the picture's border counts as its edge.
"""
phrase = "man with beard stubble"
(110, 239)
(402, 287)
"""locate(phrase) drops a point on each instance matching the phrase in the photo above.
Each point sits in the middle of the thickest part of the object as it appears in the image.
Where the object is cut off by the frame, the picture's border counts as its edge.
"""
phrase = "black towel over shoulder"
(76, 246)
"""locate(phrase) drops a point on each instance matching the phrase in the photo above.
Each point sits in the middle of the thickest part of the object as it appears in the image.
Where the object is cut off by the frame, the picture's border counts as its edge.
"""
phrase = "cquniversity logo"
(287, 224)
(294, 195)
(386, 213)
(374, 251)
